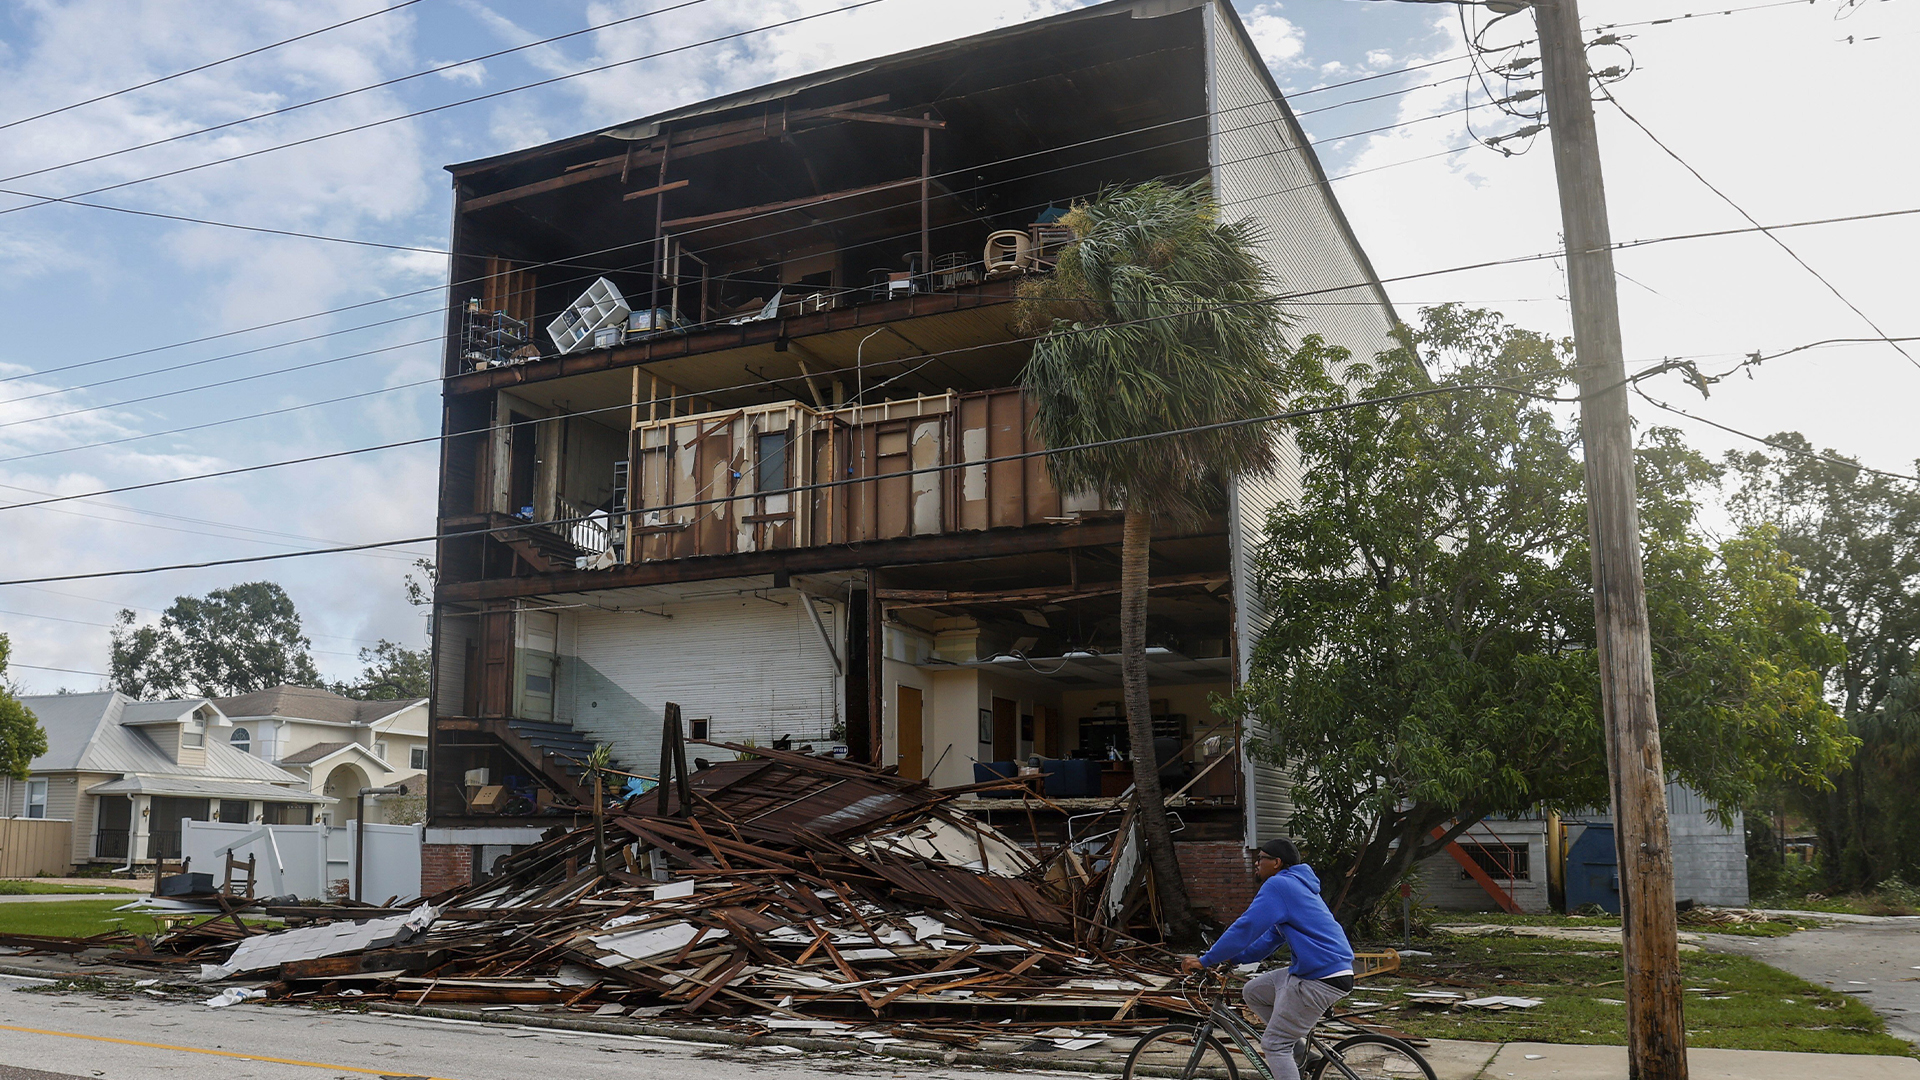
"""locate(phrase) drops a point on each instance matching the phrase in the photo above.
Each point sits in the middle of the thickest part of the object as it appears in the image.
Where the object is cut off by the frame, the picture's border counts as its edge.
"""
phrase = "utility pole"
(1656, 1031)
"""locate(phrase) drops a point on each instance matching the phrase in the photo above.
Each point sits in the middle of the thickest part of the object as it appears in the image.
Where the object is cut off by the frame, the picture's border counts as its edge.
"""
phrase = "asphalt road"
(1877, 960)
(45, 1036)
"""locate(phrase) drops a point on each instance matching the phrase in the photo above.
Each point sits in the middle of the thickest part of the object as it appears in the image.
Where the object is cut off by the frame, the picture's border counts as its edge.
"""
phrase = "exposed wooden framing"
(926, 206)
(691, 223)
(898, 599)
(689, 143)
(905, 551)
(926, 121)
(657, 189)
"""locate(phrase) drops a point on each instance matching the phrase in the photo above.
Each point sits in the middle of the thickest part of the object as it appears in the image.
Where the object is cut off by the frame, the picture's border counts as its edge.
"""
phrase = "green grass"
(72, 918)
(1871, 903)
(49, 888)
(1747, 1005)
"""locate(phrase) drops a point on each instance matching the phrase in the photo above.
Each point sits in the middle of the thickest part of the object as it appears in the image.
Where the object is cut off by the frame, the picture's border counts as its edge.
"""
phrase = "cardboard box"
(489, 797)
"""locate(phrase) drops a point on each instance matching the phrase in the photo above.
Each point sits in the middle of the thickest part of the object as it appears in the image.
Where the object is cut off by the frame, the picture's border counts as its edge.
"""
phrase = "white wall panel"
(757, 668)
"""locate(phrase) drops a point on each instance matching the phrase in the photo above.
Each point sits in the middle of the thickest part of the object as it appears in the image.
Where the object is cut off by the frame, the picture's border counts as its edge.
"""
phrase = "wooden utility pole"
(1656, 1031)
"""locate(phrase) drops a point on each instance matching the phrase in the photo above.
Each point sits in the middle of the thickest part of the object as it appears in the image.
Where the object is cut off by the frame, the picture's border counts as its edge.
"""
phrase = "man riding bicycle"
(1287, 908)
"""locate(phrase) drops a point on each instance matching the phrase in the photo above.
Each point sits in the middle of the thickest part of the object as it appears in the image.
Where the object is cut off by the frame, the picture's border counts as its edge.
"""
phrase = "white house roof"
(92, 733)
(195, 788)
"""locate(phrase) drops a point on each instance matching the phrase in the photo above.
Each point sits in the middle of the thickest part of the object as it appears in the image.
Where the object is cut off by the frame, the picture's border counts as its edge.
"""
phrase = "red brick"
(1219, 876)
(444, 866)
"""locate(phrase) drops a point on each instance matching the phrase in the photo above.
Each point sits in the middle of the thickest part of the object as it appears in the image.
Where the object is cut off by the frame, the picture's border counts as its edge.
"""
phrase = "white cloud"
(1281, 43)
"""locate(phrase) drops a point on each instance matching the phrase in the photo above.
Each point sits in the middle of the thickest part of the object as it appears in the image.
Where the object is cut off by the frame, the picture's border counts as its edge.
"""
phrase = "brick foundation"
(1218, 876)
(444, 866)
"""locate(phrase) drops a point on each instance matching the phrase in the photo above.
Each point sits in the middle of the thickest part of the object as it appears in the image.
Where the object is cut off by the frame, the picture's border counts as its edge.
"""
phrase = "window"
(36, 798)
(697, 729)
(770, 454)
(417, 758)
(242, 740)
(280, 813)
(234, 811)
(380, 749)
(193, 732)
(1501, 862)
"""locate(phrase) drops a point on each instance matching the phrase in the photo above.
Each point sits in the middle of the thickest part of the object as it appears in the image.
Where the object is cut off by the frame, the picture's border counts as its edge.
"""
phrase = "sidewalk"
(1540, 1061)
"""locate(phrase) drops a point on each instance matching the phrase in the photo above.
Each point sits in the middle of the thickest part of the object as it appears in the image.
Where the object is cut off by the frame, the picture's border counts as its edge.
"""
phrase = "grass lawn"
(47, 888)
(72, 918)
(1732, 1001)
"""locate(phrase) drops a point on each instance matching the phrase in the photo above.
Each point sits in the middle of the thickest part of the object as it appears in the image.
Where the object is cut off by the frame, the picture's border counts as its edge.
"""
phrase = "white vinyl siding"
(755, 667)
(1262, 171)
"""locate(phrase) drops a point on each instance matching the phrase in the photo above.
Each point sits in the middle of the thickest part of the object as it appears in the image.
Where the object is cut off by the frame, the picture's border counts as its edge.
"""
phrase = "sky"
(143, 348)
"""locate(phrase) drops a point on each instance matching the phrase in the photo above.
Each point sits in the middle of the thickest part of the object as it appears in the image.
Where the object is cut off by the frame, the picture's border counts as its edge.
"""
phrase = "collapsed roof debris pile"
(783, 891)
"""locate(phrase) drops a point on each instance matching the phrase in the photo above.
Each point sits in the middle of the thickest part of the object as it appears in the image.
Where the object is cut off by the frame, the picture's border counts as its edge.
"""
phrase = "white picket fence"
(313, 862)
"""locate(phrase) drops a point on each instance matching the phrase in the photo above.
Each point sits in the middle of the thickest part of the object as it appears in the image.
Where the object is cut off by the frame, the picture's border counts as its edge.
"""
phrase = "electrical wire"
(1781, 244)
(1790, 448)
(857, 4)
(567, 261)
(210, 64)
(442, 251)
(598, 271)
(296, 107)
(68, 670)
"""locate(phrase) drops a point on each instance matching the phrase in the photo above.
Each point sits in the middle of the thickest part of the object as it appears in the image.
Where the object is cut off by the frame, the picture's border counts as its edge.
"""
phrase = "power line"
(68, 670)
(441, 108)
(70, 201)
(1658, 404)
(121, 605)
(1751, 220)
(282, 111)
(620, 247)
(569, 260)
(210, 64)
(1281, 298)
(1704, 14)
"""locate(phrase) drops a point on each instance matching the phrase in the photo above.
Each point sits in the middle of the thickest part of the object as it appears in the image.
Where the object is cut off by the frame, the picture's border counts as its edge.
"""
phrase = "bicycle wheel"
(1173, 1051)
(1374, 1057)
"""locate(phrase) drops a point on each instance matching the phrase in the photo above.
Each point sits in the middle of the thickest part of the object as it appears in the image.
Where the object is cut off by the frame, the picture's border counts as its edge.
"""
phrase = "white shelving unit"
(601, 305)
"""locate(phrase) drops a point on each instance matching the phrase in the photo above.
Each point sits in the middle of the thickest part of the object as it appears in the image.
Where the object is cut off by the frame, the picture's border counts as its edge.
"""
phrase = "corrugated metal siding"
(1262, 171)
(757, 669)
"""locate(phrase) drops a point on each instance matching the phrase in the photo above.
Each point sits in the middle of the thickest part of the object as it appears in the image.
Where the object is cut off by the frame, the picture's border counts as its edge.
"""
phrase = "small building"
(127, 772)
(335, 744)
(1532, 860)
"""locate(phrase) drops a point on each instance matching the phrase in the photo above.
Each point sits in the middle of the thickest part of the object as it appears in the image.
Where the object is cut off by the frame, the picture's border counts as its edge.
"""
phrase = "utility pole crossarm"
(1656, 1029)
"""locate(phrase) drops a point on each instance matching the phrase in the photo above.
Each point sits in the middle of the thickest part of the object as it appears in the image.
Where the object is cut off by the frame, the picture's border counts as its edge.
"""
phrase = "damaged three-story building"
(732, 421)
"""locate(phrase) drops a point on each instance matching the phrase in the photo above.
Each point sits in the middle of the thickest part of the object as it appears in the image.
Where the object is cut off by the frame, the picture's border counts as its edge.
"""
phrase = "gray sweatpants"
(1290, 1006)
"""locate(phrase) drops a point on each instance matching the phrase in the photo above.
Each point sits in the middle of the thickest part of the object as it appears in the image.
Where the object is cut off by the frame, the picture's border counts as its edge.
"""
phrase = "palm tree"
(1158, 318)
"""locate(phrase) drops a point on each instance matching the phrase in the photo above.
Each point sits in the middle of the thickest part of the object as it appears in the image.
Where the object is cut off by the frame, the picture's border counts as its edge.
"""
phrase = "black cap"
(1281, 848)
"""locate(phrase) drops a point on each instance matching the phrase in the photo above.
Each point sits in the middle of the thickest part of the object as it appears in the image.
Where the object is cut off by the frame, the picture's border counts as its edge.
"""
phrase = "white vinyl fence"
(312, 862)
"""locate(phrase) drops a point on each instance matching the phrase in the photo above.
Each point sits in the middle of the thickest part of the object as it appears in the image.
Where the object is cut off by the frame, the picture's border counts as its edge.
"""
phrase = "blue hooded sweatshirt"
(1288, 906)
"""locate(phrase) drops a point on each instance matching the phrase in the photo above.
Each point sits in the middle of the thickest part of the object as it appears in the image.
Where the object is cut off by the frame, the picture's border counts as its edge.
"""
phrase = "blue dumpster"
(1593, 873)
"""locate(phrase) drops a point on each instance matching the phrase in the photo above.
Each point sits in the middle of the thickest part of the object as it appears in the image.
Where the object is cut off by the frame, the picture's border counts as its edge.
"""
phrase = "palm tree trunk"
(1138, 535)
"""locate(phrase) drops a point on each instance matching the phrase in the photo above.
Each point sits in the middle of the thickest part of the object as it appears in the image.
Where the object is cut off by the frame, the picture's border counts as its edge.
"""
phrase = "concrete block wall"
(1709, 860)
(444, 866)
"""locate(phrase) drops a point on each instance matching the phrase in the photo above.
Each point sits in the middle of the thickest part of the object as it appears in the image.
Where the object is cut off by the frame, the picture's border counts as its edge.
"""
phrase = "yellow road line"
(215, 1053)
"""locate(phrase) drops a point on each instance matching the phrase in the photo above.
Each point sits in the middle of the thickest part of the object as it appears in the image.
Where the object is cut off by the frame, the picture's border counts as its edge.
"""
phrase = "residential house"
(732, 422)
(127, 772)
(335, 744)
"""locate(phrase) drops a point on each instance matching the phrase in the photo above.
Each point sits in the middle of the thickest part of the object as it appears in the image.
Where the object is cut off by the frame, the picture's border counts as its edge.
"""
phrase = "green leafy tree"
(1857, 536)
(1157, 319)
(231, 641)
(1430, 659)
(392, 672)
(21, 737)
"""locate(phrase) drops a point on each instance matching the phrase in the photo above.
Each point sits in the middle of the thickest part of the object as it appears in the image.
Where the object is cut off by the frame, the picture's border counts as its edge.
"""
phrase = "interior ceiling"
(1164, 668)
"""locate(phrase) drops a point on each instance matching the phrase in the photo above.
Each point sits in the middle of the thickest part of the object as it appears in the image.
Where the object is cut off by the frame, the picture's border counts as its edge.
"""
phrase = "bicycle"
(1363, 1056)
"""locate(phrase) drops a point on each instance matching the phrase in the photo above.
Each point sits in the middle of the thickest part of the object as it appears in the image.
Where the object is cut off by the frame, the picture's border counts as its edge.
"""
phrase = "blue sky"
(1796, 111)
